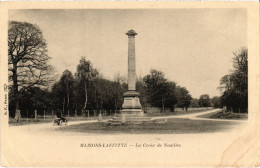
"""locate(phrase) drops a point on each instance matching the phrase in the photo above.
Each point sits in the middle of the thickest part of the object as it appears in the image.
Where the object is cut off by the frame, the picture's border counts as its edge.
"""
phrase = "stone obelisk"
(131, 112)
(131, 105)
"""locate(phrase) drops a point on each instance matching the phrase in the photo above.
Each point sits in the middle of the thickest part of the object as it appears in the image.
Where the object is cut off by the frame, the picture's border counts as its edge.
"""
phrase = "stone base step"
(128, 120)
(132, 119)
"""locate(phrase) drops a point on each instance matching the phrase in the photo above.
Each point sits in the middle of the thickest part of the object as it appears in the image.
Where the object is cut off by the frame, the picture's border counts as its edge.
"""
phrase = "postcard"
(130, 84)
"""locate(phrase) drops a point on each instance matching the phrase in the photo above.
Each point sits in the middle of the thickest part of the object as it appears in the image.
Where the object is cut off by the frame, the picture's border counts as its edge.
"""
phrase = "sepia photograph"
(139, 87)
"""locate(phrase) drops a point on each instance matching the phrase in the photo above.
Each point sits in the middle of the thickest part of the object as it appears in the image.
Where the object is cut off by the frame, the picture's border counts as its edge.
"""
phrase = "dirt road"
(196, 116)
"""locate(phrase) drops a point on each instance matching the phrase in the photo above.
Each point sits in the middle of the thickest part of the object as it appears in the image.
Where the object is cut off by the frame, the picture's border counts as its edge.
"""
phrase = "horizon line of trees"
(88, 90)
(32, 83)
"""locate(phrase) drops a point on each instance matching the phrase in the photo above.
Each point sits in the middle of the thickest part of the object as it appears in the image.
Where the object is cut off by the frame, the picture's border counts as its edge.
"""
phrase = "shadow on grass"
(173, 126)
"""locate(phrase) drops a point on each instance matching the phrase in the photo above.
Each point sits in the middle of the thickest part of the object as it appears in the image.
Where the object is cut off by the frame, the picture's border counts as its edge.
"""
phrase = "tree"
(85, 73)
(226, 82)
(67, 83)
(170, 95)
(120, 86)
(141, 88)
(57, 96)
(31, 99)
(183, 97)
(194, 103)
(63, 91)
(155, 84)
(235, 85)
(240, 77)
(27, 60)
(102, 89)
(204, 100)
(160, 92)
(216, 101)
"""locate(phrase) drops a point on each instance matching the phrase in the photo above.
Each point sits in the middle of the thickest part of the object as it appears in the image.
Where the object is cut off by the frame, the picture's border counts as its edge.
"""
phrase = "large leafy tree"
(235, 84)
(170, 95)
(160, 92)
(57, 97)
(155, 83)
(104, 93)
(31, 99)
(216, 101)
(141, 88)
(194, 103)
(62, 92)
(204, 100)
(67, 82)
(120, 86)
(84, 75)
(184, 98)
(240, 75)
(27, 60)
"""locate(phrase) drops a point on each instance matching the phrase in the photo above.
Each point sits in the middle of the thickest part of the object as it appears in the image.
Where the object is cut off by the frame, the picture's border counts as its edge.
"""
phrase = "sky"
(193, 47)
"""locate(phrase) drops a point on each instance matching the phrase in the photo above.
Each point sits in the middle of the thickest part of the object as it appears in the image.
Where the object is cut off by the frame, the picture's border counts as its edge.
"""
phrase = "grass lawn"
(176, 113)
(173, 126)
(24, 121)
(226, 115)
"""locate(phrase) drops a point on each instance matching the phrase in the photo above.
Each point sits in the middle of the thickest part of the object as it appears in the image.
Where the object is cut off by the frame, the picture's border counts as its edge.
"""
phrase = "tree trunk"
(35, 115)
(96, 103)
(116, 103)
(86, 94)
(68, 97)
(63, 104)
(241, 105)
(16, 94)
(162, 104)
(101, 103)
(172, 108)
(17, 115)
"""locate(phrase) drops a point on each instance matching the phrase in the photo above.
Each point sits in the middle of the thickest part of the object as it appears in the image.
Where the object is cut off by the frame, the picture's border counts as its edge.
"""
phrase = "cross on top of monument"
(131, 33)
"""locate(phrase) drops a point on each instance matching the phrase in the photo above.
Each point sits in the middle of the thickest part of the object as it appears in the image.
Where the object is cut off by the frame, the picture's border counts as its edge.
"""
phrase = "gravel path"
(195, 116)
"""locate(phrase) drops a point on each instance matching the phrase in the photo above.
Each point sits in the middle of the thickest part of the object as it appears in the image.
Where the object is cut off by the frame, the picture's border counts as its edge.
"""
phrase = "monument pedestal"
(132, 112)
(132, 105)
